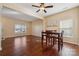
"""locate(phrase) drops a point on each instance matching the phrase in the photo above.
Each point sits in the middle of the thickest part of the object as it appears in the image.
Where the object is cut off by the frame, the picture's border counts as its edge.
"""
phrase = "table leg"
(42, 41)
(58, 45)
(46, 41)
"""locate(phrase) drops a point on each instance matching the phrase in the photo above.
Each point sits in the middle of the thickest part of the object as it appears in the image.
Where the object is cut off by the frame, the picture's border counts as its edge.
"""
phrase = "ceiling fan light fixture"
(42, 8)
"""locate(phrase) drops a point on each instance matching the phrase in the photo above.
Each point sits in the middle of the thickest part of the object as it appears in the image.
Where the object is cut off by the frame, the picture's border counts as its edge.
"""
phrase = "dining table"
(56, 35)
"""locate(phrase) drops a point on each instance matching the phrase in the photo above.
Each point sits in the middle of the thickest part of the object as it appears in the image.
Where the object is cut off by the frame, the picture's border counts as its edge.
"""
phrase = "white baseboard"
(72, 42)
(0, 48)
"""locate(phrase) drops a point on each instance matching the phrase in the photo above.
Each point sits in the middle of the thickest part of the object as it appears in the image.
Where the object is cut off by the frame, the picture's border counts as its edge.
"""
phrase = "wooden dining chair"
(62, 33)
(59, 40)
(48, 36)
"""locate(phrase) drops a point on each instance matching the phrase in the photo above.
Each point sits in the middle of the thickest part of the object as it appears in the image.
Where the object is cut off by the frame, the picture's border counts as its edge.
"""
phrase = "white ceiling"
(58, 7)
(16, 15)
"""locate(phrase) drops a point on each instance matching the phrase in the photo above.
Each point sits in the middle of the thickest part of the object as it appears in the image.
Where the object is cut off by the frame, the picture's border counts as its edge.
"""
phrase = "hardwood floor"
(31, 46)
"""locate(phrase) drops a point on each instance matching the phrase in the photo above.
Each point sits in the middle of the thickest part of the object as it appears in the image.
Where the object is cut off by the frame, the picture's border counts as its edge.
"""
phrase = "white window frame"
(21, 28)
(71, 27)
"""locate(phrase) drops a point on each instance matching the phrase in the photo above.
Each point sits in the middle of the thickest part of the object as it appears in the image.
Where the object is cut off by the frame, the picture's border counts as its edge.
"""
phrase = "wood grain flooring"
(31, 46)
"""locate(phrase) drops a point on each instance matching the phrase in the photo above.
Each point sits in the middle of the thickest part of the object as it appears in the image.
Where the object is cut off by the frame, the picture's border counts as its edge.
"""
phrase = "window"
(19, 28)
(67, 26)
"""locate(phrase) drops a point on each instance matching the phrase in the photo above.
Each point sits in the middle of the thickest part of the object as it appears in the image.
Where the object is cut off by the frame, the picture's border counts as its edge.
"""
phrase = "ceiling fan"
(42, 7)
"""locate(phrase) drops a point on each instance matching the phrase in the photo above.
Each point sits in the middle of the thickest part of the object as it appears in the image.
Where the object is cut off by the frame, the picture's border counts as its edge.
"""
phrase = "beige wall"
(0, 33)
(9, 24)
(68, 14)
(78, 26)
(0, 28)
(37, 27)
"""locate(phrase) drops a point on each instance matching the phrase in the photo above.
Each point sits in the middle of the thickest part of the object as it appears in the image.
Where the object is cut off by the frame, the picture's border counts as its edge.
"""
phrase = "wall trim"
(72, 43)
(16, 36)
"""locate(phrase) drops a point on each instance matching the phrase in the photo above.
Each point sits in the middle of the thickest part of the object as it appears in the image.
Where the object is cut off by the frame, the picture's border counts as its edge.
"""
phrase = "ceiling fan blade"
(45, 11)
(49, 6)
(35, 6)
(38, 10)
